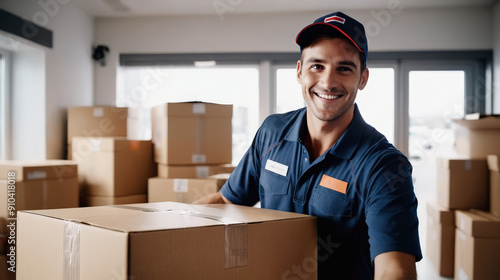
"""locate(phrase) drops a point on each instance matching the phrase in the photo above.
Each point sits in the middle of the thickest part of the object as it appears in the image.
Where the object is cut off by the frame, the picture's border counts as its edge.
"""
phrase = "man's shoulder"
(283, 121)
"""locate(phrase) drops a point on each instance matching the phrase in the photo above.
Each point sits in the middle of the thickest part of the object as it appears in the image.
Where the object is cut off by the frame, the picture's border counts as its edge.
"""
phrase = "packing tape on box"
(71, 251)
(235, 234)
(199, 157)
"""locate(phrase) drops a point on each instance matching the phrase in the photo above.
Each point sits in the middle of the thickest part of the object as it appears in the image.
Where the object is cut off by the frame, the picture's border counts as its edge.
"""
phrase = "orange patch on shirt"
(333, 184)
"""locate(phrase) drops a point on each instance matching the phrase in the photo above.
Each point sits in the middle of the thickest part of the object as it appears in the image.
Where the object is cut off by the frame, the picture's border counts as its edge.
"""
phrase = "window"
(4, 106)
(145, 87)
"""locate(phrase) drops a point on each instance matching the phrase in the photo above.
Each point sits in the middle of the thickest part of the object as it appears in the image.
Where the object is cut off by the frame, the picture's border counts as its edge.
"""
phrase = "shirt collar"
(347, 143)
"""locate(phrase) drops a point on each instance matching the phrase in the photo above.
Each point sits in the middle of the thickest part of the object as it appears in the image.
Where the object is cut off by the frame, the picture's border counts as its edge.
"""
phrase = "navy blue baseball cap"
(352, 29)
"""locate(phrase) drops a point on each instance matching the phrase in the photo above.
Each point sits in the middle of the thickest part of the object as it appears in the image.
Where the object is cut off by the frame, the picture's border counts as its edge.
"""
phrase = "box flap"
(480, 122)
(478, 223)
(192, 109)
(493, 162)
(38, 170)
(165, 216)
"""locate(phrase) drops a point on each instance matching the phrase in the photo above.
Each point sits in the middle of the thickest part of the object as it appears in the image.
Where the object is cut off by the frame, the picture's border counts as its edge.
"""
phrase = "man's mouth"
(326, 96)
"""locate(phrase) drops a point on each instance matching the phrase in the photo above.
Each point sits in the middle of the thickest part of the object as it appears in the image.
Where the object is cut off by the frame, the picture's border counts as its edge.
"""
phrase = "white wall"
(388, 30)
(496, 59)
(66, 77)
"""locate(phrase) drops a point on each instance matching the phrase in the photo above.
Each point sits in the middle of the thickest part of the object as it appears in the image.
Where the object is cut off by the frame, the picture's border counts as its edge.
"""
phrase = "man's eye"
(316, 66)
(343, 69)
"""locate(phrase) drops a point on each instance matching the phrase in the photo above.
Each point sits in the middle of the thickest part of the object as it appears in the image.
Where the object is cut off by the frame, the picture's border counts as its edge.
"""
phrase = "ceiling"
(127, 8)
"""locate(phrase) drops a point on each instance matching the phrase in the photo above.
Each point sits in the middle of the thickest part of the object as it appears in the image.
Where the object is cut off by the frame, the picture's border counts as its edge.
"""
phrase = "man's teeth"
(328, 96)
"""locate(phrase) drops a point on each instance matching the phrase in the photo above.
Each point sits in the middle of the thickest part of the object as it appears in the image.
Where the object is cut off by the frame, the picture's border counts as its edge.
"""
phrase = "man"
(324, 160)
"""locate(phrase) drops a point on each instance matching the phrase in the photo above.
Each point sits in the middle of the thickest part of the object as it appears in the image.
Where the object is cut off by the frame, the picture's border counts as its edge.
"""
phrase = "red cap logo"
(335, 18)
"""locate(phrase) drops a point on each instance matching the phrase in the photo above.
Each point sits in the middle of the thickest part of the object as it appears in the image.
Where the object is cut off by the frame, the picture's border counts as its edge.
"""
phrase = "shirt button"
(305, 159)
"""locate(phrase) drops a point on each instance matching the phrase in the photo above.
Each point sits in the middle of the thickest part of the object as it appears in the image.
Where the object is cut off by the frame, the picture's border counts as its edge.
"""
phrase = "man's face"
(330, 75)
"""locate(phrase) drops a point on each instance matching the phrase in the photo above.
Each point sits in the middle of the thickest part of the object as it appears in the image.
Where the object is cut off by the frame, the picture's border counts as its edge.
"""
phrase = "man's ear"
(299, 72)
(364, 79)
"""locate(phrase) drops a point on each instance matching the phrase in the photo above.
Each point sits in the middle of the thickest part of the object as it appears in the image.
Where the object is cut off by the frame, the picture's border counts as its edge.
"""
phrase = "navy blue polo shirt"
(360, 189)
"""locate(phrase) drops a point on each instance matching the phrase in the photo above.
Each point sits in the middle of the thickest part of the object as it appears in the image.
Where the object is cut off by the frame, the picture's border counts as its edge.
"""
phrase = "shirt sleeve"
(242, 187)
(391, 208)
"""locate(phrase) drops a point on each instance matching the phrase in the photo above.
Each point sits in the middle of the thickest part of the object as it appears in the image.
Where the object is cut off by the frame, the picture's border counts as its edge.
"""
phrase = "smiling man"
(325, 160)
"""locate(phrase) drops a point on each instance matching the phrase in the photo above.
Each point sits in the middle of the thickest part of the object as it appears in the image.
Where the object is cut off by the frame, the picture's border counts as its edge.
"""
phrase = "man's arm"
(395, 266)
(216, 198)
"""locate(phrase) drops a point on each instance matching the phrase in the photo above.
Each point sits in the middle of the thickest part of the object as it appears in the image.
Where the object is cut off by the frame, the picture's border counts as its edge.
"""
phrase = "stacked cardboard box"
(113, 170)
(440, 239)
(166, 241)
(96, 121)
(494, 167)
(477, 245)
(29, 185)
(47, 184)
(192, 142)
(464, 189)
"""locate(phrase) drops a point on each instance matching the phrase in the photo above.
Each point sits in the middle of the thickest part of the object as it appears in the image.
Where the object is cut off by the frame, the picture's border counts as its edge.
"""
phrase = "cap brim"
(311, 31)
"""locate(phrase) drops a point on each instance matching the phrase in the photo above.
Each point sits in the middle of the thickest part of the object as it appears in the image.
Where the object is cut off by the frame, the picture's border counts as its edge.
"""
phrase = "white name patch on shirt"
(276, 167)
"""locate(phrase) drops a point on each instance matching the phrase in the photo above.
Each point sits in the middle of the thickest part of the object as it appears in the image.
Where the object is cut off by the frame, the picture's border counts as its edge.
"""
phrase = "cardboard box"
(113, 166)
(192, 133)
(182, 190)
(97, 121)
(193, 171)
(28, 185)
(494, 167)
(478, 135)
(462, 183)
(164, 241)
(477, 247)
(91, 200)
(440, 241)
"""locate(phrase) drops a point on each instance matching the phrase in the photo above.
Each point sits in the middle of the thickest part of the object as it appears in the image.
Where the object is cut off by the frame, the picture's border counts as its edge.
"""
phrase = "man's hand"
(216, 198)
(395, 266)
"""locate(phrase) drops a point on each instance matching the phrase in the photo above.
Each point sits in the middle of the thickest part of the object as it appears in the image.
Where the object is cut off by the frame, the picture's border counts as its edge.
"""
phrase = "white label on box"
(199, 158)
(276, 167)
(181, 185)
(202, 172)
(199, 109)
(95, 145)
(37, 174)
(462, 275)
(98, 112)
(468, 165)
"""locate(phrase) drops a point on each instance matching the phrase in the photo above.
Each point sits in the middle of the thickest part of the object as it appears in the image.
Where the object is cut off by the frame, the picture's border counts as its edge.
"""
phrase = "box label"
(199, 109)
(98, 112)
(181, 185)
(202, 171)
(37, 174)
(199, 158)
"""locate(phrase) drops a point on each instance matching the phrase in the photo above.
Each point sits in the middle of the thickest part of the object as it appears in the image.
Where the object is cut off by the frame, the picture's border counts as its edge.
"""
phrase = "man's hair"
(334, 35)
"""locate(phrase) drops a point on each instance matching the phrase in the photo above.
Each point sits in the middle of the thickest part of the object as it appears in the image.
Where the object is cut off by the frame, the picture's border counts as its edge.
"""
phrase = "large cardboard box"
(192, 133)
(478, 135)
(477, 247)
(182, 190)
(91, 200)
(193, 171)
(165, 241)
(440, 241)
(462, 183)
(97, 121)
(494, 167)
(29, 185)
(113, 166)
